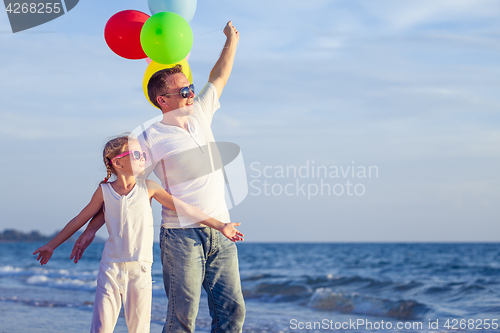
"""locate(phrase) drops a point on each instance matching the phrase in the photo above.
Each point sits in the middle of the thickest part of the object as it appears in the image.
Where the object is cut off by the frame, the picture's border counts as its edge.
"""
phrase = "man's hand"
(44, 254)
(231, 232)
(231, 32)
(81, 245)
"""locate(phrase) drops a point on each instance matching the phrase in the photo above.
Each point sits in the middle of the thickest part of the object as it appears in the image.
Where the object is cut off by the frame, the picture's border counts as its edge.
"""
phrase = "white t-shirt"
(187, 167)
(129, 220)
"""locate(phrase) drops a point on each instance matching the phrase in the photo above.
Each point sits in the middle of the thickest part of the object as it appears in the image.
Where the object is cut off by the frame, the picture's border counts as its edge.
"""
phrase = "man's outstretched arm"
(87, 236)
(222, 69)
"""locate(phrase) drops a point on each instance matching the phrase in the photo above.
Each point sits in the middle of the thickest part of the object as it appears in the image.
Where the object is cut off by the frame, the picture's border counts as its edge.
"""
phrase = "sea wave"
(62, 282)
(9, 270)
(322, 293)
(305, 285)
(14, 270)
(47, 303)
(327, 299)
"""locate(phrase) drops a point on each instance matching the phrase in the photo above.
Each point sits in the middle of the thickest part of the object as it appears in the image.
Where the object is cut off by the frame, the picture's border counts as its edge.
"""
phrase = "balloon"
(122, 33)
(184, 8)
(148, 60)
(166, 38)
(154, 67)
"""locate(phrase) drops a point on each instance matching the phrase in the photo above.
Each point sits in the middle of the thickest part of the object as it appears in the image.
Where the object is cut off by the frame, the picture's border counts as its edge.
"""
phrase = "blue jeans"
(196, 257)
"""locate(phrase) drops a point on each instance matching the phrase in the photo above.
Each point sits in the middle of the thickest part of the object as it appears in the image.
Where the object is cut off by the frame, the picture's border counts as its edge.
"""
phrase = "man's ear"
(162, 100)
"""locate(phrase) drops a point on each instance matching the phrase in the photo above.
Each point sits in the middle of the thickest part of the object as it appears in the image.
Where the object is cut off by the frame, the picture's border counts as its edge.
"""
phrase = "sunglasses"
(135, 153)
(184, 92)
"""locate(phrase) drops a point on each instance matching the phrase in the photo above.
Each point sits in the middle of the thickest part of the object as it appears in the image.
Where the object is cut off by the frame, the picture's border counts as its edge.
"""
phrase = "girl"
(125, 269)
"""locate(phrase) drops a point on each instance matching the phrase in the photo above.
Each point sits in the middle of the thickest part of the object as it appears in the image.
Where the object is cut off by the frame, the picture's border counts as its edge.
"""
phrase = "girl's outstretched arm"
(45, 252)
(167, 200)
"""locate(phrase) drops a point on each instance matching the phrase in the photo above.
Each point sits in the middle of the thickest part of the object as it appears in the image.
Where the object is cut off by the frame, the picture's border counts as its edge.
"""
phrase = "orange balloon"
(154, 67)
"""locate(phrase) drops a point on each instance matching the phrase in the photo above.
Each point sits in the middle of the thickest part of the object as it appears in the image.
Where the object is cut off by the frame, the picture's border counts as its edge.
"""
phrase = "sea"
(288, 287)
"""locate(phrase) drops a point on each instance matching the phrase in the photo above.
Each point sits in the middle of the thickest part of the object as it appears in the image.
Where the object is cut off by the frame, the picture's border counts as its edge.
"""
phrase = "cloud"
(14, 127)
(403, 15)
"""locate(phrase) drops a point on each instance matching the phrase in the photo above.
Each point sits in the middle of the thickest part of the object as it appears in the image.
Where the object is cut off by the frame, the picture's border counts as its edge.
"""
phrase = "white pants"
(129, 282)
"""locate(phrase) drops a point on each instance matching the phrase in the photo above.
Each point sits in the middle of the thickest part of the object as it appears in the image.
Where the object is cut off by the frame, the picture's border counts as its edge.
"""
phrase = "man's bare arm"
(87, 237)
(222, 69)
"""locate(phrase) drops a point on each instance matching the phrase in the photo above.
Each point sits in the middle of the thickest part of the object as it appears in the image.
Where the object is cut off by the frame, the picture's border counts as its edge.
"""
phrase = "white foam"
(41, 270)
(327, 299)
(4, 270)
(62, 282)
(37, 279)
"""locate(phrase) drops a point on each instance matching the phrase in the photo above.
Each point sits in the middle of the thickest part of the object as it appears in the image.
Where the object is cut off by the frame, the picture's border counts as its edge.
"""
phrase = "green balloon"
(166, 38)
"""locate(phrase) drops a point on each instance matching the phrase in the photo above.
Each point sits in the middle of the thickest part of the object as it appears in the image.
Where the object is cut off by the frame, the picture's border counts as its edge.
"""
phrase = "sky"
(403, 93)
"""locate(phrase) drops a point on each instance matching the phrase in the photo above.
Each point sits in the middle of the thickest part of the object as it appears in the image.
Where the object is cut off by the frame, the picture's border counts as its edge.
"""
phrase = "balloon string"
(206, 33)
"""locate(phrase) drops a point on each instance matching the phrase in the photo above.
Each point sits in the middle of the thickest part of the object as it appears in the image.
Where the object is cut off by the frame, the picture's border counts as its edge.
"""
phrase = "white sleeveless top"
(129, 220)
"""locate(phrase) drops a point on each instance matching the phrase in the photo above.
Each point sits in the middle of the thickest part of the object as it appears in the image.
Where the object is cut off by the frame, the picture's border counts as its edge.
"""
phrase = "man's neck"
(176, 118)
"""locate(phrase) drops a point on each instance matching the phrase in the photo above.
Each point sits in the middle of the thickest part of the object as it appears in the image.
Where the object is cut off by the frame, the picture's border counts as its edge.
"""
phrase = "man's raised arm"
(87, 236)
(222, 69)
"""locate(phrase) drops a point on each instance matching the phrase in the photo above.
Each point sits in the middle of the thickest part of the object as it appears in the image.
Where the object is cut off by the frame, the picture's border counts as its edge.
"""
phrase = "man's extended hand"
(231, 232)
(81, 244)
(231, 32)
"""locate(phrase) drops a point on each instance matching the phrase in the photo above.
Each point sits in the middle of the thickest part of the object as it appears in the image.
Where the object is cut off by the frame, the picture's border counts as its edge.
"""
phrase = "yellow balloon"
(154, 67)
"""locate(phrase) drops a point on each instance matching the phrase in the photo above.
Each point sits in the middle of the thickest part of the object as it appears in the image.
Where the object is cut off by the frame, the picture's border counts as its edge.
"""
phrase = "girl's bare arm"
(95, 204)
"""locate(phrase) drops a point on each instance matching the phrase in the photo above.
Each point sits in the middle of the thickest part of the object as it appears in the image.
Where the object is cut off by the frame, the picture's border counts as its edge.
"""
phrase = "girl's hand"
(231, 232)
(44, 254)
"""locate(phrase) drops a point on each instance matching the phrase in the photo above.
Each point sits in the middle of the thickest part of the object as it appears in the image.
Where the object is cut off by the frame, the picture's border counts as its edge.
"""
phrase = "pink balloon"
(149, 60)
(187, 57)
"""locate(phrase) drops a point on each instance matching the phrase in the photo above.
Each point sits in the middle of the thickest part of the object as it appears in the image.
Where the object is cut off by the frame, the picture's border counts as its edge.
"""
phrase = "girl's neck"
(123, 184)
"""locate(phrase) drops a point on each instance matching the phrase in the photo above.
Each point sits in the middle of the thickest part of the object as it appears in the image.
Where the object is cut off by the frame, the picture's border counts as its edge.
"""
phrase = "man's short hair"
(157, 84)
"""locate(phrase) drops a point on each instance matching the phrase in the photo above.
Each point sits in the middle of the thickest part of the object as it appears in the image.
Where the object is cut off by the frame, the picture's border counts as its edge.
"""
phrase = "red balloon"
(123, 33)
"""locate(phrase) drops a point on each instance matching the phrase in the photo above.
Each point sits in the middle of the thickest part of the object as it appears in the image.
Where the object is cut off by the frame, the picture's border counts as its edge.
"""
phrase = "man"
(188, 164)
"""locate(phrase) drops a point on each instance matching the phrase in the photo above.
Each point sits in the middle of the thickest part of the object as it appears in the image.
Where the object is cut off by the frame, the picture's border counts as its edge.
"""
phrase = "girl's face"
(136, 162)
(133, 163)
